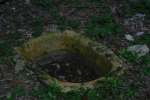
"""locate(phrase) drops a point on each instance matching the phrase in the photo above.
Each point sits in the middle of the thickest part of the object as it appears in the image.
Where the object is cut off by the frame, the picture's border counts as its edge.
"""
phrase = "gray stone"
(129, 37)
(141, 50)
(135, 23)
(62, 77)
(19, 66)
(79, 72)
(140, 15)
(51, 28)
(27, 1)
(139, 33)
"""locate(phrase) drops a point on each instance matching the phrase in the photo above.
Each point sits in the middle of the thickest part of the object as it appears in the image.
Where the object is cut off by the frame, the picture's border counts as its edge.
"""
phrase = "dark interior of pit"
(72, 68)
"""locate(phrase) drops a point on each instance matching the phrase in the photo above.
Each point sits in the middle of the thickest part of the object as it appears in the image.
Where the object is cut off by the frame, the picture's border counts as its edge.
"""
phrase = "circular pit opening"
(71, 67)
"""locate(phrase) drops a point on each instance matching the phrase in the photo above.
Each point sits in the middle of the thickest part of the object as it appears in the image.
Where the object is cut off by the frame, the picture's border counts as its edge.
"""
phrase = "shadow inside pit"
(72, 67)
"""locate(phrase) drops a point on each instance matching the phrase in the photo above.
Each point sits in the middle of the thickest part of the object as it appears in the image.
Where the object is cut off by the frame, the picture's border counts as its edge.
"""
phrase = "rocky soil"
(21, 20)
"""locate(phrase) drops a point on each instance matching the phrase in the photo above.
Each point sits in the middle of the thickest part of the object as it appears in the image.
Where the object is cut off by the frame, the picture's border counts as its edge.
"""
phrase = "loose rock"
(141, 50)
(129, 37)
(139, 33)
(19, 66)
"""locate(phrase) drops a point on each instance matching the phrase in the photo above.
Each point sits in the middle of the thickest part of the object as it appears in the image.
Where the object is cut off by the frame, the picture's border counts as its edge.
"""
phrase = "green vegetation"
(37, 26)
(97, 26)
(111, 88)
(46, 4)
(141, 6)
(18, 91)
(54, 93)
(129, 56)
(6, 52)
(102, 26)
(130, 7)
(146, 59)
(145, 39)
(147, 71)
(5, 49)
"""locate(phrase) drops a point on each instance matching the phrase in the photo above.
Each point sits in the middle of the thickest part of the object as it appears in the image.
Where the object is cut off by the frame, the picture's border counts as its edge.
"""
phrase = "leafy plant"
(130, 93)
(67, 24)
(5, 49)
(106, 89)
(144, 39)
(131, 7)
(147, 71)
(37, 26)
(73, 95)
(46, 4)
(102, 26)
(145, 60)
(141, 6)
(129, 56)
(18, 91)
(49, 93)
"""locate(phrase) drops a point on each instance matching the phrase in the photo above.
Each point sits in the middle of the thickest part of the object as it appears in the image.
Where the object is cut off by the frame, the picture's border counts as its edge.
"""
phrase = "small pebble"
(129, 37)
(67, 64)
(139, 33)
(62, 77)
(79, 72)
(27, 1)
(141, 50)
